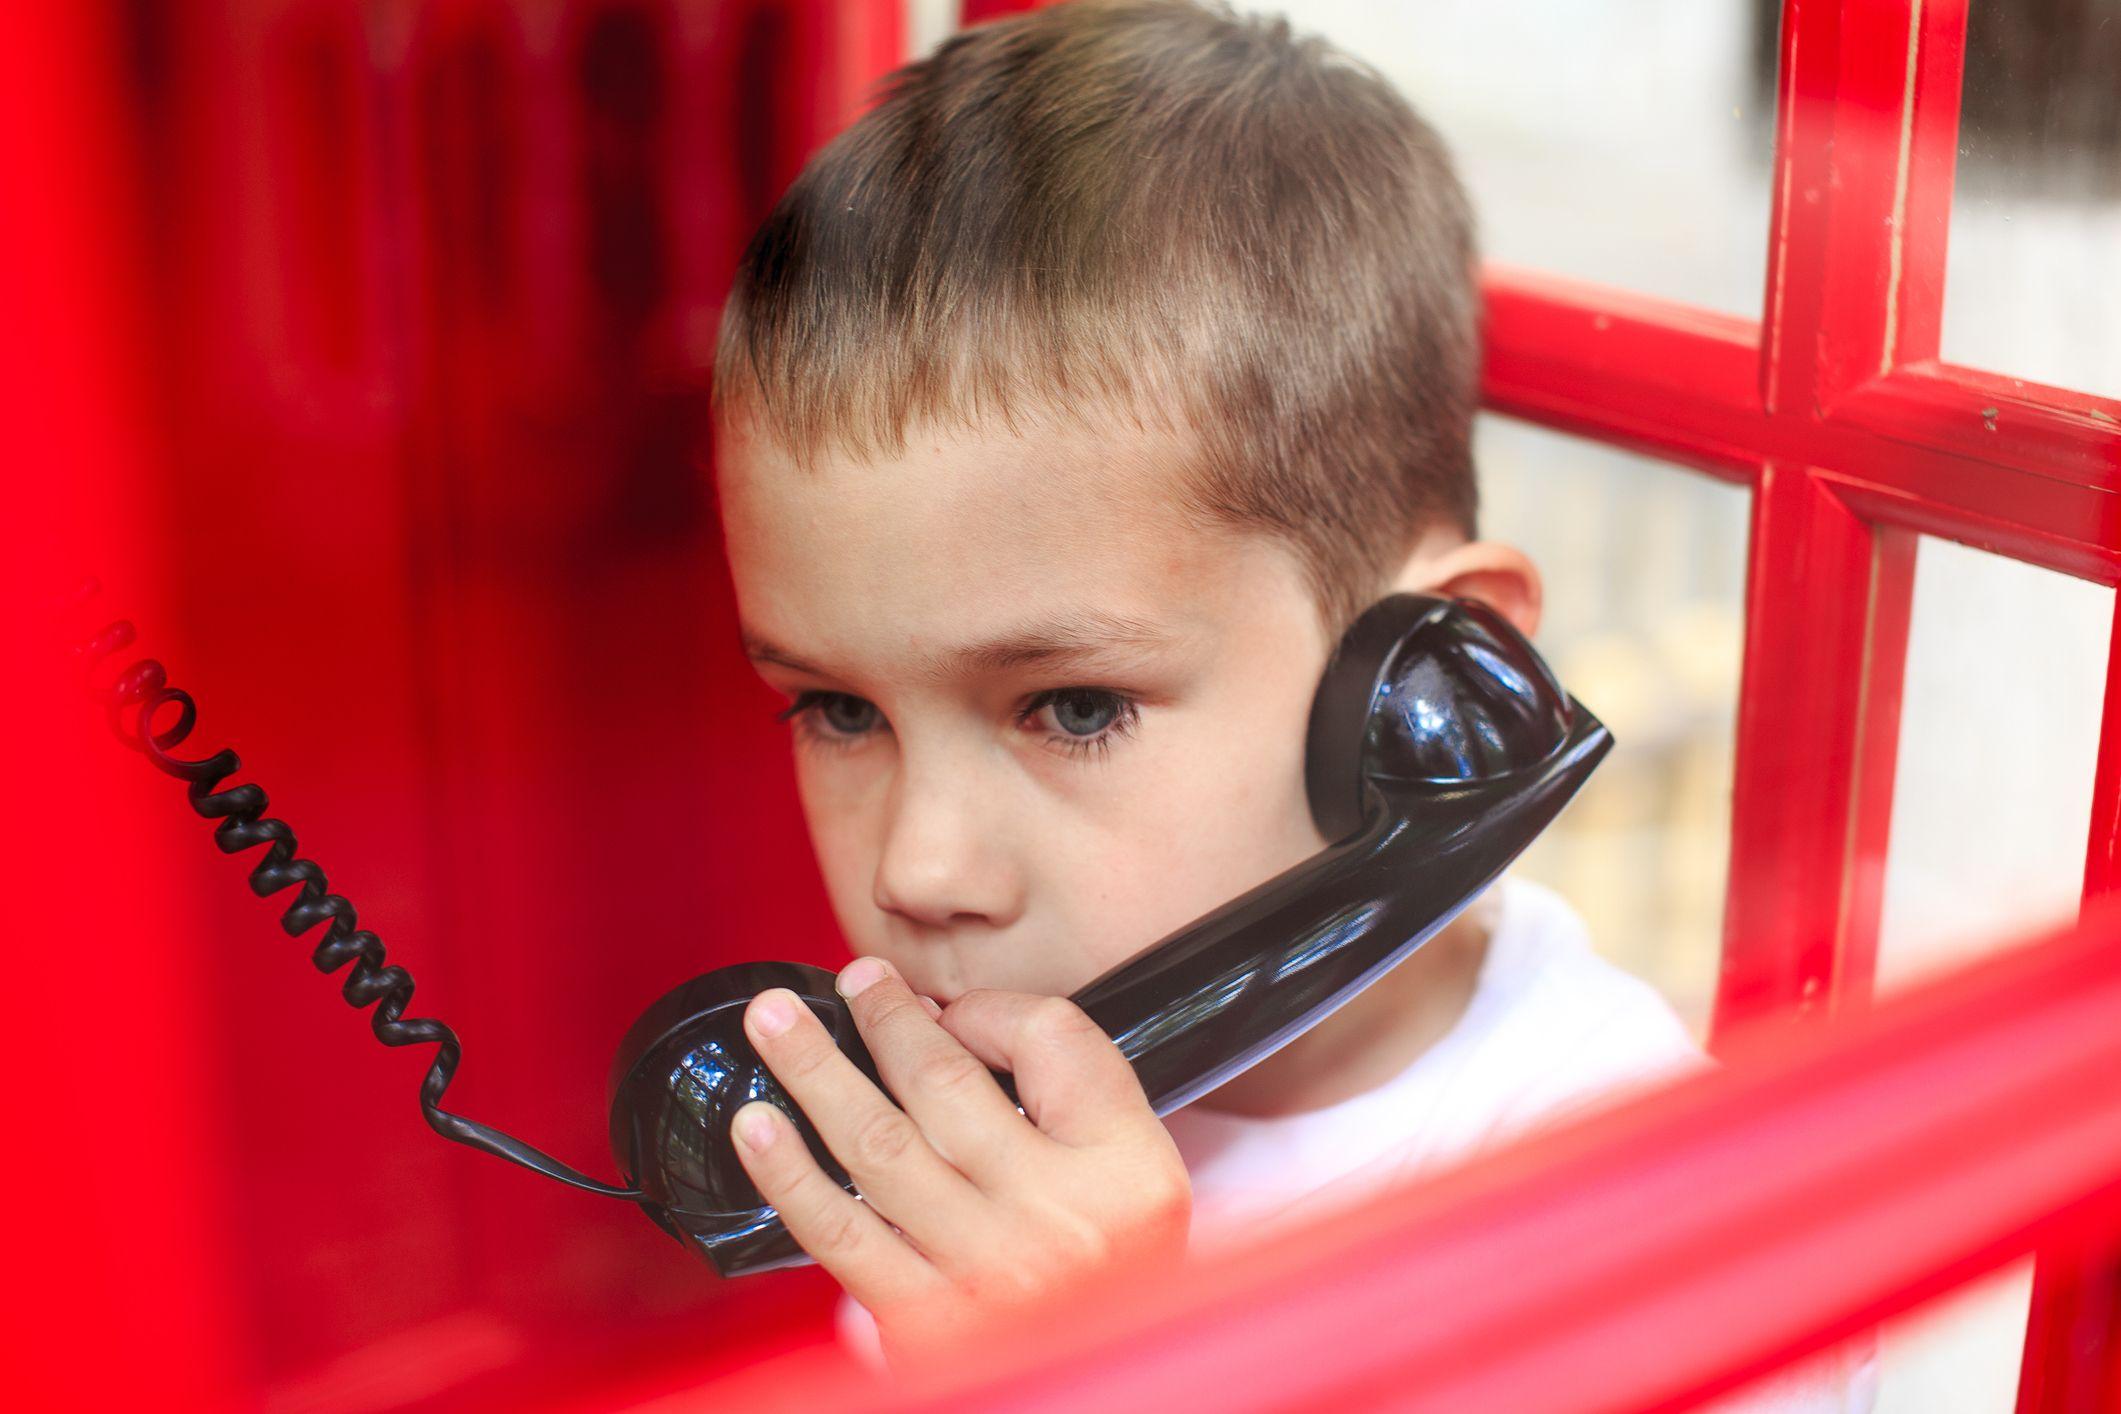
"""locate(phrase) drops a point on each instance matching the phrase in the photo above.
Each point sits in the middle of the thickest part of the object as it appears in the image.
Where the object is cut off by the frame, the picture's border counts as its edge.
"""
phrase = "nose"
(945, 858)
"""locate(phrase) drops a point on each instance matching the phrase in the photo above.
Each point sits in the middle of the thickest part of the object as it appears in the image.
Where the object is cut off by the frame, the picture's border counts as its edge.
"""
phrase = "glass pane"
(2031, 283)
(1645, 580)
(929, 23)
(1999, 734)
(1958, 1354)
(1622, 143)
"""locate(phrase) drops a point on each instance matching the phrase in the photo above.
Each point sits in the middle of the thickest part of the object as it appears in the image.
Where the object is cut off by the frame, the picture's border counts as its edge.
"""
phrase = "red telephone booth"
(323, 309)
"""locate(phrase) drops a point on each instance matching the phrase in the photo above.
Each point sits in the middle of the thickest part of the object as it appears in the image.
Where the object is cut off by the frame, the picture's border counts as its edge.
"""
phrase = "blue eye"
(1081, 719)
(1073, 719)
(834, 714)
(1082, 712)
(850, 716)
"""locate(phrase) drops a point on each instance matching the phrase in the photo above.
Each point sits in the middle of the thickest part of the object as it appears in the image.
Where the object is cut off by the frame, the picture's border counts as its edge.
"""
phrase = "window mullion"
(1866, 130)
(1818, 731)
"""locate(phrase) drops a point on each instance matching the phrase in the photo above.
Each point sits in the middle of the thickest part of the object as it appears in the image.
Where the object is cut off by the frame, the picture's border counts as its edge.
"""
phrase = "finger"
(947, 1089)
(931, 1006)
(1073, 1082)
(850, 1241)
(878, 1144)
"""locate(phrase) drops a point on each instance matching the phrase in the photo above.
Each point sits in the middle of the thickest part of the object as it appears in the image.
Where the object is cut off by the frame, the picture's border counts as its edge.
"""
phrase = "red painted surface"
(406, 468)
(117, 1289)
(1818, 717)
(973, 12)
(1858, 440)
(2002, 463)
(1850, 447)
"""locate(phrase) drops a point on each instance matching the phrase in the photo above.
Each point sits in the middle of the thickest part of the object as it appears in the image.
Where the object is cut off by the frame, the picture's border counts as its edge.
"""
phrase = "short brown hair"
(1151, 205)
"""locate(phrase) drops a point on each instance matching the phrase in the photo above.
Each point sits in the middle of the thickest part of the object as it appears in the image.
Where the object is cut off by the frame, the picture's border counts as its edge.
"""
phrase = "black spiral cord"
(143, 687)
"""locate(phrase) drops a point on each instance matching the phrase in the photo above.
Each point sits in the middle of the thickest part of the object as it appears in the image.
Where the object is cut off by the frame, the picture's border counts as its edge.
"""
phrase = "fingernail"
(756, 1125)
(860, 975)
(772, 1012)
(935, 1008)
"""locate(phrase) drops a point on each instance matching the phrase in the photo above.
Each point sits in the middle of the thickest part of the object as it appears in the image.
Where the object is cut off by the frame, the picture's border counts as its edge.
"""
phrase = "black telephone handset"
(1440, 746)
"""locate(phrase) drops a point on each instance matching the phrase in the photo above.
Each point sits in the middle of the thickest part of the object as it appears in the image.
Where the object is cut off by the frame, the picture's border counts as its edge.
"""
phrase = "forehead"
(968, 533)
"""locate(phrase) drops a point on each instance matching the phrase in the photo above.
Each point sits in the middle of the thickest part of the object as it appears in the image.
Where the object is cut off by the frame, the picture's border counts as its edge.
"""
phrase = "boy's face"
(1041, 717)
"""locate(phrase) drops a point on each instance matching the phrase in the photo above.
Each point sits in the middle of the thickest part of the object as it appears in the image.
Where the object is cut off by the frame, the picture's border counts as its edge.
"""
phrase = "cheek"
(844, 838)
(1210, 825)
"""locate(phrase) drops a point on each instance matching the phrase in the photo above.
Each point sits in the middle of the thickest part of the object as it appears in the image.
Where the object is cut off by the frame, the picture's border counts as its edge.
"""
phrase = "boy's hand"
(971, 1207)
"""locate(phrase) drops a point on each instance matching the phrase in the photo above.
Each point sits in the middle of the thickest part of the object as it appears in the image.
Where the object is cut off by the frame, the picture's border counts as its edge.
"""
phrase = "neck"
(1374, 1037)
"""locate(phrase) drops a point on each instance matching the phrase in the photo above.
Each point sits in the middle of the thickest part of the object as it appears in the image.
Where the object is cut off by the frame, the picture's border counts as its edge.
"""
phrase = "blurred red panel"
(116, 1172)
(416, 482)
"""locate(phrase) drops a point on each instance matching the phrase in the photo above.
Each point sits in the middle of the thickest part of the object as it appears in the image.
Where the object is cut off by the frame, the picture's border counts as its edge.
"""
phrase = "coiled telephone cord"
(142, 690)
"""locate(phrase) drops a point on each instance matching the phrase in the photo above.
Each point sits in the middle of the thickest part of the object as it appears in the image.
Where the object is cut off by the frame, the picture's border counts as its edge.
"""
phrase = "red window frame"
(1855, 437)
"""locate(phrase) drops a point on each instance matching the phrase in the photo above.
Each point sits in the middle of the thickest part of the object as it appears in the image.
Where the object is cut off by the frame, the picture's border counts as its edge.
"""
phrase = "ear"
(1501, 576)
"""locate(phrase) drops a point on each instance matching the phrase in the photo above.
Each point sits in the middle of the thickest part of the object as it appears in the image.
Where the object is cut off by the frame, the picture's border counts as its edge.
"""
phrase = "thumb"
(1071, 1080)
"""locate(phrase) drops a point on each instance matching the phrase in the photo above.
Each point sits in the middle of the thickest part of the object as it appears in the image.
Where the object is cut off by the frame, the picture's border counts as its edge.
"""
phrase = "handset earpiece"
(1428, 690)
(1440, 746)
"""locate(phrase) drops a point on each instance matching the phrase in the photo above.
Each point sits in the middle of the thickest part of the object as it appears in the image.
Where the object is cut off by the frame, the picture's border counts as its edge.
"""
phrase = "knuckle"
(948, 1073)
(1168, 1194)
(802, 1058)
(838, 1235)
(881, 1140)
(1058, 1020)
(882, 1005)
(784, 1173)
(1080, 1242)
(1160, 1206)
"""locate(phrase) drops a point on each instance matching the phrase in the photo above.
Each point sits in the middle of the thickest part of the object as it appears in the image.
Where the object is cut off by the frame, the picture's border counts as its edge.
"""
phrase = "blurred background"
(424, 295)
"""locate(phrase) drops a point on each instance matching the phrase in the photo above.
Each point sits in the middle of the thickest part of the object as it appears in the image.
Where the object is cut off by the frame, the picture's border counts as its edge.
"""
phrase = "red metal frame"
(1872, 439)
(1858, 439)
(70, 398)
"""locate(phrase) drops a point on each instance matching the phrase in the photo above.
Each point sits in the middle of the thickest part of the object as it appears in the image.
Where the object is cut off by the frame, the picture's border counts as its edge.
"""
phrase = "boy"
(1068, 407)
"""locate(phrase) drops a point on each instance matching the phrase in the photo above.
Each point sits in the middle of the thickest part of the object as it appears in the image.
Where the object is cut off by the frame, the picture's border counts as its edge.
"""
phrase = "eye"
(1082, 712)
(834, 715)
(1081, 718)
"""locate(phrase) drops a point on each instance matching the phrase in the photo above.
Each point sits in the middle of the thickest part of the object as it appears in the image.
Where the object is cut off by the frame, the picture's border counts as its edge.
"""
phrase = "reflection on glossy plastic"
(1440, 747)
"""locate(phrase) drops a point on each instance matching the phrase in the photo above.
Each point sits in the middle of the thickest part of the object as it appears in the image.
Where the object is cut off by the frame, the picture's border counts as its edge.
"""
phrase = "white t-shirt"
(1552, 1030)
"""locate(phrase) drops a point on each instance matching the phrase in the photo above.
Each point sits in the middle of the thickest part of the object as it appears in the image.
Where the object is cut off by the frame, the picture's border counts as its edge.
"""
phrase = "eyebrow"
(1065, 638)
